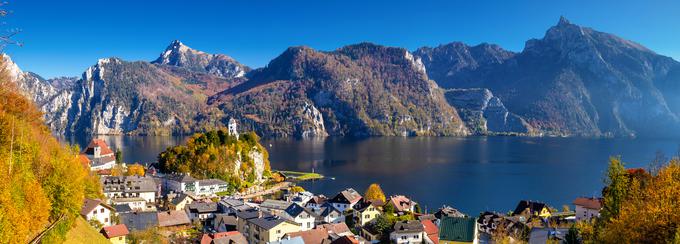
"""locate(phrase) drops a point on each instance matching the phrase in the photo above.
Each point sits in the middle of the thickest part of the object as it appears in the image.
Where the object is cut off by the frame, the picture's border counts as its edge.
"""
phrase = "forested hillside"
(240, 161)
(41, 181)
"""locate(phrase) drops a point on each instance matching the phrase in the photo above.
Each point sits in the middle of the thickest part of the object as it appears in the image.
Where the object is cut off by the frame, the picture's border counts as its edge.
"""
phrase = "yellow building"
(531, 208)
(269, 228)
(365, 211)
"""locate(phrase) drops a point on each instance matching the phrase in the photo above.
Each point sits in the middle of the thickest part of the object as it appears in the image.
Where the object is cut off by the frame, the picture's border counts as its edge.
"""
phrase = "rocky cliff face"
(578, 81)
(485, 113)
(358, 90)
(119, 97)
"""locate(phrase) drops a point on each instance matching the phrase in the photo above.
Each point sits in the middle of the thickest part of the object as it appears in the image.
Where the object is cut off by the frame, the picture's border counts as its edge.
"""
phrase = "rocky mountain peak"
(178, 54)
(563, 21)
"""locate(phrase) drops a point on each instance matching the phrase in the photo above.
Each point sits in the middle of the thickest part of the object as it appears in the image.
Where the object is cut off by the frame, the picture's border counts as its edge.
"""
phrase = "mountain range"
(575, 81)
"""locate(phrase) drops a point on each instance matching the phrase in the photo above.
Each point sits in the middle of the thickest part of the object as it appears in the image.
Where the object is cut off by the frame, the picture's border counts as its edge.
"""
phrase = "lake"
(472, 174)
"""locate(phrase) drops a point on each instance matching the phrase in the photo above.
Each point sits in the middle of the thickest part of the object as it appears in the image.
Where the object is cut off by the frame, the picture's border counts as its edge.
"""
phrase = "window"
(415, 237)
(106, 220)
(94, 212)
(101, 210)
(278, 231)
(404, 237)
(309, 225)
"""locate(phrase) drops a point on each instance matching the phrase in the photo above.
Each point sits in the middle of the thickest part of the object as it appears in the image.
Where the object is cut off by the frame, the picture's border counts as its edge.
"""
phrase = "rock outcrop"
(485, 113)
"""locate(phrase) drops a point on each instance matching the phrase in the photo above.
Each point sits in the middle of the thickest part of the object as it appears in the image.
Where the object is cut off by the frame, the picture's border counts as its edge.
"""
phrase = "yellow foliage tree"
(135, 169)
(297, 189)
(650, 212)
(374, 192)
(40, 179)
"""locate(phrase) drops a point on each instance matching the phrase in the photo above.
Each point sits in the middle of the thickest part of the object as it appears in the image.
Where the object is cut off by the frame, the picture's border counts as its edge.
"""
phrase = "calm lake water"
(472, 174)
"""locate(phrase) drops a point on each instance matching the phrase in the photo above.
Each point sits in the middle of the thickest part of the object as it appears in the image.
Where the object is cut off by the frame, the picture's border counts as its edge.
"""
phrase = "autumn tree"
(374, 192)
(41, 180)
(135, 169)
(648, 212)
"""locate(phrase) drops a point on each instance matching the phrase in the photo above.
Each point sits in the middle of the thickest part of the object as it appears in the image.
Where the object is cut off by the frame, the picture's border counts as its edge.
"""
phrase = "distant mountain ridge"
(574, 81)
(578, 81)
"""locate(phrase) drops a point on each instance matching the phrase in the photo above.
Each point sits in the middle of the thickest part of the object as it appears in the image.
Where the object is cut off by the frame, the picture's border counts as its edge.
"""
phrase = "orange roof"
(207, 238)
(636, 171)
(346, 240)
(311, 236)
(115, 231)
(589, 202)
(84, 160)
(401, 203)
(105, 150)
(431, 230)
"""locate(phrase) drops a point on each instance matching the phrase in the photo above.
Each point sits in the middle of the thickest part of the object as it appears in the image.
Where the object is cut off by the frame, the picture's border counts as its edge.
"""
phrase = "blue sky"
(66, 37)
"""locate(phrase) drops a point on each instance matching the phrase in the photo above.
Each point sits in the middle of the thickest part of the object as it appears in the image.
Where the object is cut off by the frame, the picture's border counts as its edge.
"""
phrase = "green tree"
(616, 189)
(119, 156)
(572, 236)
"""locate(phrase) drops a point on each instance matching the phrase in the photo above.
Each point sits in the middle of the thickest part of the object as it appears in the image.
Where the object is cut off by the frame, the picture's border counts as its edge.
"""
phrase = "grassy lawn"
(302, 175)
(84, 233)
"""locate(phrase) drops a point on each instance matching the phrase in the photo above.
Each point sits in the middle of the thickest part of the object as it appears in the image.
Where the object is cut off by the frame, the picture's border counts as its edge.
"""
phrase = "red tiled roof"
(589, 202)
(208, 238)
(431, 230)
(84, 160)
(311, 236)
(401, 203)
(105, 150)
(115, 231)
(346, 240)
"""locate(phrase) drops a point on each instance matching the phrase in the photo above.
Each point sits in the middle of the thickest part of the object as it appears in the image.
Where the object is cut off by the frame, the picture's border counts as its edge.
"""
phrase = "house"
(402, 204)
(408, 231)
(139, 221)
(544, 235)
(329, 214)
(202, 211)
(530, 209)
(294, 240)
(84, 161)
(122, 208)
(365, 211)
(229, 237)
(458, 230)
(335, 231)
(135, 203)
(99, 155)
(448, 211)
(489, 222)
(130, 187)
(431, 231)
(345, 199)
(231, 206)
(116, 234)
(95, 209)
(316, 201)
(346, 240)
(210, 187)
(225, 223)
(587, 207)
(242, 218)
(274, 206)
(300, 198)
(180, 201)
(298, 214)
(370, 234)
(173, 218)
(181, 183)
(270, 228)
(311, 236)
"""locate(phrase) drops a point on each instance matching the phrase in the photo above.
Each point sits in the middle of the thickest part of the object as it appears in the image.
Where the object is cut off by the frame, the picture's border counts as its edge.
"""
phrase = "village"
(184, 209)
